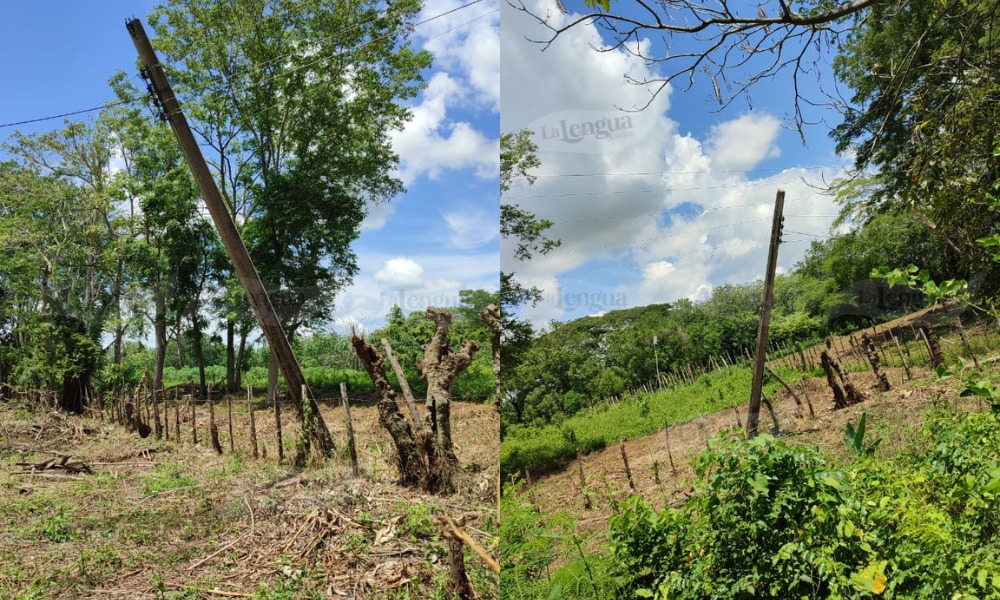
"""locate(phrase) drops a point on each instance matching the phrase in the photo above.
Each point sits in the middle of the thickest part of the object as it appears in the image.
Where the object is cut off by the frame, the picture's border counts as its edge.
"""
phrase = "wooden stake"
(253, 422)
(404, 385)
(583, 481)
(906, 365)
(194, 423)
(628, 471)
(277, 425)
(965, 342)
(795, 396)
(350, 429)
(212, 427)
(157, 424)
(670, 455)
(229, 406)
(177, 414)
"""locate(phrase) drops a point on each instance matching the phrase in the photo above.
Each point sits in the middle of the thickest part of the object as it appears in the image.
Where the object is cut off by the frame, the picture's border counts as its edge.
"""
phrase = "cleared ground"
(168, 519)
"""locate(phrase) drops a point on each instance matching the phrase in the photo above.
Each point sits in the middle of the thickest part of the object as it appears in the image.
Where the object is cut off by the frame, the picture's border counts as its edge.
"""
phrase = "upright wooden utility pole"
(753, 418)
(318, 432)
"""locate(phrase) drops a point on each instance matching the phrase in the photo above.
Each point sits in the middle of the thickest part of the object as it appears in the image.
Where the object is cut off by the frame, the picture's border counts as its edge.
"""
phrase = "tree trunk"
(159, 338)
(230, 357)
(240, 356)
(180, 343)
(491, 315)
(409, 461)
(119, 328)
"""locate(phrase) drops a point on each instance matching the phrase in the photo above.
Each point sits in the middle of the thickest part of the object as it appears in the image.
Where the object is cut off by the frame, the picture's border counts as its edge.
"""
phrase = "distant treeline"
(585, 361)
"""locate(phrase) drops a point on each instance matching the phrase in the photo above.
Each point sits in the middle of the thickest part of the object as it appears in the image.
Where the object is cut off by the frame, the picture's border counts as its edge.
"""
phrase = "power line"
(654, 190)
(69, 114)
(672, 259)
(645, 173)
(655, 239)
(666, 210)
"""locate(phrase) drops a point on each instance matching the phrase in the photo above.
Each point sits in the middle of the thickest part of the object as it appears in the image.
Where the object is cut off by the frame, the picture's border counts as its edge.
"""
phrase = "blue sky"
(680, 199)
(439, 237)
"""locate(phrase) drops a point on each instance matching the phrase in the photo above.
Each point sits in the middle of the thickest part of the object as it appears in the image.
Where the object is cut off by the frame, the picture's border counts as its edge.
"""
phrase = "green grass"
(166, 477)
(596, 428)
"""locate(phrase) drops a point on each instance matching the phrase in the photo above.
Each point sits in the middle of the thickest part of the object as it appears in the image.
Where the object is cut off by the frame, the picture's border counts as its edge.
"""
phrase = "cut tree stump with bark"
(425, 458)
(409, 461)
(839, 398)
(868, 345)
(438, 368)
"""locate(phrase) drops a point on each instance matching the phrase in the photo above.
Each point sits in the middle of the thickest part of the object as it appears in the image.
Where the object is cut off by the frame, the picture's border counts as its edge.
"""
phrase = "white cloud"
(401, 274)
(377, 216)
(742, 143)
(466, 41)
(431, 144)
(471, 228)
(427, 280)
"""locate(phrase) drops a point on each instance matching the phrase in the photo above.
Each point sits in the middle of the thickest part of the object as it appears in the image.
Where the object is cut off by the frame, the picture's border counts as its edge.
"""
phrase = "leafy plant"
(856, 439)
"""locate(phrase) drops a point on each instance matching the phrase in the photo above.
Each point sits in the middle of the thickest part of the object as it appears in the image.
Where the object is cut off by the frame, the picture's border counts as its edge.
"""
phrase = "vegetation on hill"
(586, 361)
(774, 519)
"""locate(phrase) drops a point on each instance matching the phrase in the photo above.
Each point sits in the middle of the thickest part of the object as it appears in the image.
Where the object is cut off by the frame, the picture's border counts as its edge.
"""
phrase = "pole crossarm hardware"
(753, 417)
(237, 251)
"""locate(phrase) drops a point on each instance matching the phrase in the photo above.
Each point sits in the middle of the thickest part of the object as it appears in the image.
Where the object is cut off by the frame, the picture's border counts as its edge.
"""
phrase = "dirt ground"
(168, 519)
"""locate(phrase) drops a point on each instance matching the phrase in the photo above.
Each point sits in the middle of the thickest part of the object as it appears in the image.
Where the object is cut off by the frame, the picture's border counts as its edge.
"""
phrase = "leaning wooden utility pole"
(753, 418)
(318, 432)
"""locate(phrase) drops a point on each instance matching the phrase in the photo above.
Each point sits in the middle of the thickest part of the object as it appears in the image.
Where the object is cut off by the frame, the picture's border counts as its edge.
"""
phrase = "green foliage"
(531, 447)
(855, 439)
(56, 525)
(166, 477)
(771, 520)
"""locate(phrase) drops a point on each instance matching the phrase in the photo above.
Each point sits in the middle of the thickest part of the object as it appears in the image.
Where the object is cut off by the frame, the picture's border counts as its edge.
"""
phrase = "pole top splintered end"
(132, 24)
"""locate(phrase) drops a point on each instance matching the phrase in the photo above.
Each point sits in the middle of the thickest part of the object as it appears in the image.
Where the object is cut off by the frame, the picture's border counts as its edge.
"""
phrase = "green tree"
(296, 99)
(58, 283)
(518, 156)
(925, 121)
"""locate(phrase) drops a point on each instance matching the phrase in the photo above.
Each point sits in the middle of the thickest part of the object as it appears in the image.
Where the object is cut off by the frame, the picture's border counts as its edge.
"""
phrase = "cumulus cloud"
(742, 143)
(618, 221)
(431, 143)
(466, 41)
(400, 274)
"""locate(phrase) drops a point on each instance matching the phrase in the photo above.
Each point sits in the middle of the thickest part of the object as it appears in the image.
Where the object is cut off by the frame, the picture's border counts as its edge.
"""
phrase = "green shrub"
(777, 521)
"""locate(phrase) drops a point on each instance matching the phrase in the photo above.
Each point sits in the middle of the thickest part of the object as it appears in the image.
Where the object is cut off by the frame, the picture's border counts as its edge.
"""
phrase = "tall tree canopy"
(296, 101)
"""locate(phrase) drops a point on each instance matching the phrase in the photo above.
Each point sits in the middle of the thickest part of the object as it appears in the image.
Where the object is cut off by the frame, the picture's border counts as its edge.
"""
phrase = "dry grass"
(167, 519)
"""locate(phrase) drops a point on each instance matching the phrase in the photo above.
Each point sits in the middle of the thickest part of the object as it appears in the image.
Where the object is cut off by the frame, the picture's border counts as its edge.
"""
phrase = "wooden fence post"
(229, 406)
(670, 455)
(906, 365)
(628, 471)
(213, 429)
(350, 429)
(253, 422)
(277, 424)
